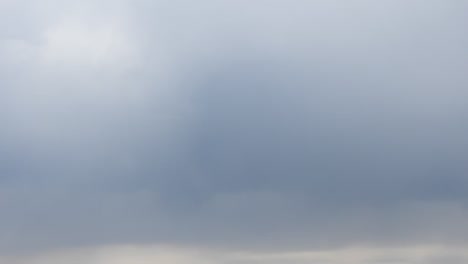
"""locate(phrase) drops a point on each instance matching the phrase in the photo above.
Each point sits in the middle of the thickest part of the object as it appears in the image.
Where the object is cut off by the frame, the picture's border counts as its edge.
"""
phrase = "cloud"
(138, 254)
(227, 126)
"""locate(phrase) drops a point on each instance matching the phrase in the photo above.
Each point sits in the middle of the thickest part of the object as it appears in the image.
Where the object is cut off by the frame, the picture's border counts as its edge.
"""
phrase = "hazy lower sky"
(233, 132)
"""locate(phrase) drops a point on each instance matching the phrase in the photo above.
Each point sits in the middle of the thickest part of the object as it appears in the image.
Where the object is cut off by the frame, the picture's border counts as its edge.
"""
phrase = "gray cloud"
(267, 125)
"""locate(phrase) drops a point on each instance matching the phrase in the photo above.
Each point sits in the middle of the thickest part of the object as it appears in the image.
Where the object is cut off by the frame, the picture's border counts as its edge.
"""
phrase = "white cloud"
(150, 254)
(115, 255)
(78, 42)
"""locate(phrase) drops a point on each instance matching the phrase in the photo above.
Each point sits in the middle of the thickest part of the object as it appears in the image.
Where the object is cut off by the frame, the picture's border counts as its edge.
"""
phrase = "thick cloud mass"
(268, 125)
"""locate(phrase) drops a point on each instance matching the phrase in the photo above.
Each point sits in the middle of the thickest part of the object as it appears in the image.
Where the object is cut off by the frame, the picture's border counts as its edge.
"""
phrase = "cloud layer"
(160, 254)
(260, 125)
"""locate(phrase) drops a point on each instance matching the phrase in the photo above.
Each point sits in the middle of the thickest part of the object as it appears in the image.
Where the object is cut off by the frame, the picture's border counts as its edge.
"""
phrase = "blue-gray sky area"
(233, 132)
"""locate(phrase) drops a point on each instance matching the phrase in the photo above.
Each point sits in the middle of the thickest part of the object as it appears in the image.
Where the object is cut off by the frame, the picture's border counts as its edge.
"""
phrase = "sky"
(233, 132)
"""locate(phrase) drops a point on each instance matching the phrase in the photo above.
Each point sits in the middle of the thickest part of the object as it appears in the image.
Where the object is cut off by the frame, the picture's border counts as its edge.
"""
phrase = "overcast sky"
(233, 132)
